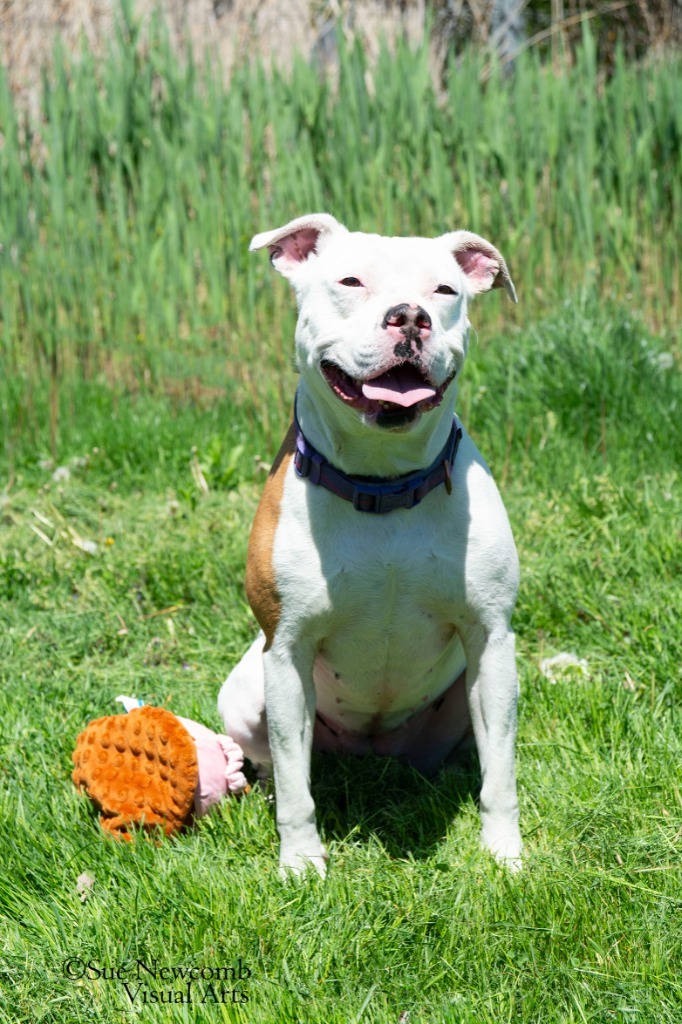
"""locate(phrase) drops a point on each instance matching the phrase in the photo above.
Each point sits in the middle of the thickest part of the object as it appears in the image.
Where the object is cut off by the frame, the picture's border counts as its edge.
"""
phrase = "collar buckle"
(309, 463)
(378, 502)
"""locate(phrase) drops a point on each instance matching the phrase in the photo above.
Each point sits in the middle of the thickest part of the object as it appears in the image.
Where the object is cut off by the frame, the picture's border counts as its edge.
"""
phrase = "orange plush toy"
(151, 769)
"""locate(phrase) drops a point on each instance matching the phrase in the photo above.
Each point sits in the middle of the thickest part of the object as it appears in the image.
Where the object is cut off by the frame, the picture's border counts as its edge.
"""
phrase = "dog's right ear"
(292, 244)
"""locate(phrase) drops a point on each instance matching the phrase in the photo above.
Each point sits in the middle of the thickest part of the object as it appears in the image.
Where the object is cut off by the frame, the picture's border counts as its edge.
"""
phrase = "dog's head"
(382, 325)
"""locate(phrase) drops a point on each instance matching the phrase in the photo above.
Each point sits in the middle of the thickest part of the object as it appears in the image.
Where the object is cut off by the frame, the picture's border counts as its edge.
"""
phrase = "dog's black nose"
(407, 317)
(410, 327)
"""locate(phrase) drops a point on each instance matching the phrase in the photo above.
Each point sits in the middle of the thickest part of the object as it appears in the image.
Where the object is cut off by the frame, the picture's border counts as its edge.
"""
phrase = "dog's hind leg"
(241, 704)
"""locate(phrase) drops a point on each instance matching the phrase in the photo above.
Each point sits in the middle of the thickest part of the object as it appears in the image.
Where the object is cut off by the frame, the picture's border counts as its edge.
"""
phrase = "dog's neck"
(358, 449)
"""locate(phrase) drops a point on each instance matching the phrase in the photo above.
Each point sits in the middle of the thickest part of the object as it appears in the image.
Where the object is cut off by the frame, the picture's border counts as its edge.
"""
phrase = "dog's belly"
(371, 680)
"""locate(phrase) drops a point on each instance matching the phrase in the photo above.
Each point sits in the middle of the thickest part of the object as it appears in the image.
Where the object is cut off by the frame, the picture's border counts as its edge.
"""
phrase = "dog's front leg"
(492, 689)
(290, 703)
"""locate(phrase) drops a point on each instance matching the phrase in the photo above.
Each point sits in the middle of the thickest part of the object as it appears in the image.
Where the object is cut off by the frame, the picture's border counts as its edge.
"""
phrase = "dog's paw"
(506, 849)
(298, 864)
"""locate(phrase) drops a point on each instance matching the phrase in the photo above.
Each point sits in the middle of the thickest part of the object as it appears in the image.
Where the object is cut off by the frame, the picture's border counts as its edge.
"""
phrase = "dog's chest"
(379, 593)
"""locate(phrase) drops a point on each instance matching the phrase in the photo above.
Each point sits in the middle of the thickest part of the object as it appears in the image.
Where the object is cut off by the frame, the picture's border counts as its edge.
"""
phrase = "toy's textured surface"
(139, 769)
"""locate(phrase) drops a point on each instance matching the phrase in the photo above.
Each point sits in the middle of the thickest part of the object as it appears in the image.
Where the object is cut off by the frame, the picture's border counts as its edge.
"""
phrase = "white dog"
(381, 565)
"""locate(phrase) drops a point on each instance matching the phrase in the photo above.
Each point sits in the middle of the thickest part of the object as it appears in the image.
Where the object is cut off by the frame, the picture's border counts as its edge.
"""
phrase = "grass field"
(140, 344)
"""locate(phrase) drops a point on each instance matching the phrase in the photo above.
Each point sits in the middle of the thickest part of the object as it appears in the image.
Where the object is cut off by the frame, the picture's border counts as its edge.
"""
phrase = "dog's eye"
(445, 289)
(351, 282)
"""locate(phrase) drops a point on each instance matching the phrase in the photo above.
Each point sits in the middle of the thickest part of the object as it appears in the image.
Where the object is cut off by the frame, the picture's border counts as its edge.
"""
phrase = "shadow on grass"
(384, 798)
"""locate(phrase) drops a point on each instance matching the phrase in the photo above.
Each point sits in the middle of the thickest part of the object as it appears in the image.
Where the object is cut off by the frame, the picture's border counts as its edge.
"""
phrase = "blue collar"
(376, 494)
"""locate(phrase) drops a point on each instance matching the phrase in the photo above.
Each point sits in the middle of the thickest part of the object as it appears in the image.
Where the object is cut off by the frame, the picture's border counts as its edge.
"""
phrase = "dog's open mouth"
(394, 398)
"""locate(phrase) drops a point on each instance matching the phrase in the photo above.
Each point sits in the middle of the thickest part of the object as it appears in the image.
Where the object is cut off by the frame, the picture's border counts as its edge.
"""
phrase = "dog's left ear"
(295, 242)
(482, 263)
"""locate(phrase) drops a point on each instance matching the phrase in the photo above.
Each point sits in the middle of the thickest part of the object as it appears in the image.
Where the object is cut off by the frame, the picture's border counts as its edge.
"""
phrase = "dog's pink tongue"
(403, 385)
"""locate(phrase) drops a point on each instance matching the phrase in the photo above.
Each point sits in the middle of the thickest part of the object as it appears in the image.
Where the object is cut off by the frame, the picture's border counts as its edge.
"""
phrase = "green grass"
(128, 206)
(139, 343)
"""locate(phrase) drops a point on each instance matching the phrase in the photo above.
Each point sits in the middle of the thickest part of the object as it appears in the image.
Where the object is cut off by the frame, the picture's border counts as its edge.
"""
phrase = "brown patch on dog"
(261, 585)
